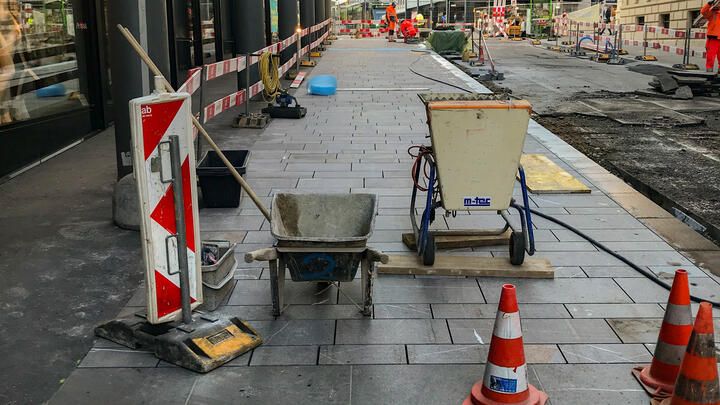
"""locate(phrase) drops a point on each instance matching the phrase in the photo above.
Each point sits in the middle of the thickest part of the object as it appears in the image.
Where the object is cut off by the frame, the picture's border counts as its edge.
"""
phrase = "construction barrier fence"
(198, 76)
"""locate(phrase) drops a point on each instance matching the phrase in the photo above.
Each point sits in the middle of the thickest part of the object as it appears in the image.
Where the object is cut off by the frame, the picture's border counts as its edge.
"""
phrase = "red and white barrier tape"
(192, 84)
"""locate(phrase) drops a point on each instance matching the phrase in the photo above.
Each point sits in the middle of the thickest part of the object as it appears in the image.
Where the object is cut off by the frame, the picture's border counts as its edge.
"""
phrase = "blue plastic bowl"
(322, 85)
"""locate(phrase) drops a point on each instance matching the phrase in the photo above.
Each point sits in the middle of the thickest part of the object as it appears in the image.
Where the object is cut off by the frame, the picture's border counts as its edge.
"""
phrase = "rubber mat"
(543, 176)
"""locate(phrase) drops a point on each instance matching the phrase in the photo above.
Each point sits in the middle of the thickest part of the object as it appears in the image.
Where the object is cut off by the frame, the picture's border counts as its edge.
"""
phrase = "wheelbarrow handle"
(376, 256)
(261, 255)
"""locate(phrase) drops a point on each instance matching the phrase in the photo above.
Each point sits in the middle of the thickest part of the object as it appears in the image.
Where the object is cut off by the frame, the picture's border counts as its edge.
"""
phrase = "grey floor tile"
(125, 386)
(615, 310)
(284, 356)
(274, 384)
(296, 332)
(406, 311)
(459, 354)
(392, 331)
(118, 356)
(644, 290)
(606, 353)
(574, 384)
(636, 330)
(489, 311)
(474, 331)
(562, 290)
(363, 354)
(406, 290)
(609, 235)
(257, 292)
(398, 384)
(610, 271)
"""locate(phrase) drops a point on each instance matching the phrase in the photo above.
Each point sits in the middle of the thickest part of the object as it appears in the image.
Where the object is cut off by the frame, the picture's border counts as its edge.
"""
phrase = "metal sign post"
(177, 184)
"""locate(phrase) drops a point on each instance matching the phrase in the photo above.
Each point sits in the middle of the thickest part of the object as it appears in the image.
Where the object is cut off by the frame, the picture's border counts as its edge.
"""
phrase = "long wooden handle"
(156, 71)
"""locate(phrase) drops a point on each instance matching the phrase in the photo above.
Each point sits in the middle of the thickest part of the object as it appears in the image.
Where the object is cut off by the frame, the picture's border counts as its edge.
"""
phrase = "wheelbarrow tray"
(322, 237)
(477, 142)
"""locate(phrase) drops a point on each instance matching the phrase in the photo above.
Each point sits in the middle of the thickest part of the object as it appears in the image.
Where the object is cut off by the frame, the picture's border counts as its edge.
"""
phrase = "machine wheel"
(429, 251)
(517, 248)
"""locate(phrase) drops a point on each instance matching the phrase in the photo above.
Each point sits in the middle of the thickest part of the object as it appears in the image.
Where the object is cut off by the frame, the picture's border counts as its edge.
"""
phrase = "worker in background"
(711, 12)
(392, 19)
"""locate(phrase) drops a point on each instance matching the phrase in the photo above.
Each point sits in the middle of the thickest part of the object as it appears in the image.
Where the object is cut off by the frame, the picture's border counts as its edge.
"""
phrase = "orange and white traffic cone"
(505, 381)
(658, 378)
(697, 382)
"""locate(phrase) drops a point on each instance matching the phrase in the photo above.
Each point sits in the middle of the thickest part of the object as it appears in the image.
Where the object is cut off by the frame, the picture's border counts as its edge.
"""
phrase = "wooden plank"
(460, 241)
(543, 176)
(471, 266)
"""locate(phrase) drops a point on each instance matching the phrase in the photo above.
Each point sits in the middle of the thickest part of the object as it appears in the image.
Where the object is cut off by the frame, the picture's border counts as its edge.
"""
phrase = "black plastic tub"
(219, 187)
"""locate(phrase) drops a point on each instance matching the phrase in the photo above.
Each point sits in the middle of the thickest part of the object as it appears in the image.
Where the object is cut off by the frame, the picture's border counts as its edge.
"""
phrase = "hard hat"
(419, 17)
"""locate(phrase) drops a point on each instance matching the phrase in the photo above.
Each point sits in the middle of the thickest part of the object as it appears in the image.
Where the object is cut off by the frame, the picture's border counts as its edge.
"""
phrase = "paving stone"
(536, 331)
(640, 206)
(574, 384)
(636, 330)
(406, 311)
(606, 353)
(638, 246)
(615, 310)
(459, 354)
(284, 356)
(398, 384)
(679, 235)
(564, 290)
(644, 290)
(296, 332)
(329, 183)
(363, 354)
(302, 385)
(118, 356)
(610, 271)
(405, 290)
(257, 292)
(586, 222)
(125, 386)
(609, 235)
(574, 201)
(392, 331)
(489, 311)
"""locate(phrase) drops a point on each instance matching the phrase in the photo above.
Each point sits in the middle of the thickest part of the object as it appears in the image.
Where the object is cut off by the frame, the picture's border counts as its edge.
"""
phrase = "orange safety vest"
(391, 16)
(713, 17)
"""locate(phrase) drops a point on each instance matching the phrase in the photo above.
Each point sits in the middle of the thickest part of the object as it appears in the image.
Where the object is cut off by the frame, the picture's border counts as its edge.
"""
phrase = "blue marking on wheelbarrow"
(322, 259)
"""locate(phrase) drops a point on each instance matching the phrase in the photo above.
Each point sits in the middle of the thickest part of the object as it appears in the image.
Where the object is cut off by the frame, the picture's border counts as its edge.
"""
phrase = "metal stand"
(645, 57)
(247, 119)
(686, 65)
(199, 342)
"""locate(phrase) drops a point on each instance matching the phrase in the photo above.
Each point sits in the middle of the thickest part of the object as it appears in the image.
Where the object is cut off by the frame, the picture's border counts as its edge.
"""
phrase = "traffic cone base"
(658, 379)
(476, 397)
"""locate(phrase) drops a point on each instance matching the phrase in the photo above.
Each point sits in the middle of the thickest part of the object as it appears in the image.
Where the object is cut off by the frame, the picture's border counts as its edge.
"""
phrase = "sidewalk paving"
(428, 336)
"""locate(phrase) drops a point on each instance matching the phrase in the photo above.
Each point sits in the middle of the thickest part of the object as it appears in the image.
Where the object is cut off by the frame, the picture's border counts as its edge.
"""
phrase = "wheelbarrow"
(477, 142)
(321, 238)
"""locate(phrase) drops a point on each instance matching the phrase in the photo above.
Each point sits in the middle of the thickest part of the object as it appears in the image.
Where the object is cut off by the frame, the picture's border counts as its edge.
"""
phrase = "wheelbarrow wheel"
(517, 248)
(429, 251)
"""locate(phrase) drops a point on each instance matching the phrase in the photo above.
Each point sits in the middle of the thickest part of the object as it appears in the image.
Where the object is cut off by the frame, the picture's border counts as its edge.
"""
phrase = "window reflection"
(38, 64)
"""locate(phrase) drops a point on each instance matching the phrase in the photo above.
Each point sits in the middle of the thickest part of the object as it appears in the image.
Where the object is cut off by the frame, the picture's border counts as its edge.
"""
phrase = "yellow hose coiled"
(269, 75)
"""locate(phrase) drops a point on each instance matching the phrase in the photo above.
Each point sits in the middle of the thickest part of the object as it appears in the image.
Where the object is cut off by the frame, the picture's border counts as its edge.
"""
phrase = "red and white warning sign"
(154, 118)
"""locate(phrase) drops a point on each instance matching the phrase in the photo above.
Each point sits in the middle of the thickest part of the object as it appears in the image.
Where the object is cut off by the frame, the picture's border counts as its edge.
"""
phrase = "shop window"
(38, 63)
(664, 20)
